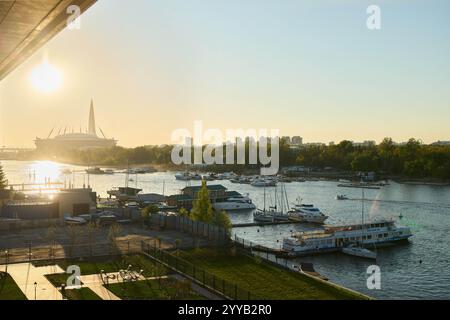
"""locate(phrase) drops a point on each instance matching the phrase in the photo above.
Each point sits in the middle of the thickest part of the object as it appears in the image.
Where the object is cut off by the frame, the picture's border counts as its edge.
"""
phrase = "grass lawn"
(263, 279)
(82, 294)
(9, 289)
(151, 290)
(57, 279)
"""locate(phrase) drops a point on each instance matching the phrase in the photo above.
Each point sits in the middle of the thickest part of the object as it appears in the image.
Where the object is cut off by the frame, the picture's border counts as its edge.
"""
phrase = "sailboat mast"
(264, 198)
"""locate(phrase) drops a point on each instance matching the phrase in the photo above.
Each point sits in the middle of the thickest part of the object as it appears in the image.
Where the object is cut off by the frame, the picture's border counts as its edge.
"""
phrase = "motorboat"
(184, 176)
(307, 213)
(359, 252)
(235, 203)
(260, 182)
(341, 197)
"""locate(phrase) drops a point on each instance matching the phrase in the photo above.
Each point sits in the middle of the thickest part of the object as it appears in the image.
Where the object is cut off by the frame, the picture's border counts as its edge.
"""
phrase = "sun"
(45, 77)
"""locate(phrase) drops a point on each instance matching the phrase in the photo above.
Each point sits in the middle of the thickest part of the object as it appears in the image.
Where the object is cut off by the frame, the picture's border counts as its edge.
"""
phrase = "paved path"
(25, 275)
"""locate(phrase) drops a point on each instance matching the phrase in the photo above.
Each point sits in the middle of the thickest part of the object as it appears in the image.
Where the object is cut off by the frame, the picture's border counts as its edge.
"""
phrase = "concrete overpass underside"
(26, 25)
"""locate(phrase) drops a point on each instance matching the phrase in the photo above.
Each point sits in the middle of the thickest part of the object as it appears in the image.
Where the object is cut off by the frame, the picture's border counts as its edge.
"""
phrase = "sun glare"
(45, 77)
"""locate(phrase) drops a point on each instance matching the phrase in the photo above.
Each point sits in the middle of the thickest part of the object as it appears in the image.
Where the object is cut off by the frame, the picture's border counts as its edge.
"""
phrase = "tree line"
(412, 159)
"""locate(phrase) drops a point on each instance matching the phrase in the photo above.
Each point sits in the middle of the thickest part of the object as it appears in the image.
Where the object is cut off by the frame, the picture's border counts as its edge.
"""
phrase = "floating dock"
(261, 224)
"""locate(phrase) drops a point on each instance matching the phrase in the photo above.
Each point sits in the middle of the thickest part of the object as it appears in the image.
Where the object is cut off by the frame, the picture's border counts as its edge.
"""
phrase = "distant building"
(73, 140)
(366, 143)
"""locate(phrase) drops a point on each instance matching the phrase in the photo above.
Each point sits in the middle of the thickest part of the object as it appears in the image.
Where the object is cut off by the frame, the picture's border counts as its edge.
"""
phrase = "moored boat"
(335, 238)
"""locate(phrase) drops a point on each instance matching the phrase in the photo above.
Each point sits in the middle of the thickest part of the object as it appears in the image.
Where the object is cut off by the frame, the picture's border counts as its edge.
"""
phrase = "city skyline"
(155, 67)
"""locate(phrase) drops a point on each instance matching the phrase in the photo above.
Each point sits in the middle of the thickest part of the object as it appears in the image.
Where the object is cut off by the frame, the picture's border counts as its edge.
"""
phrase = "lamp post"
(35, 287)
(6, 265)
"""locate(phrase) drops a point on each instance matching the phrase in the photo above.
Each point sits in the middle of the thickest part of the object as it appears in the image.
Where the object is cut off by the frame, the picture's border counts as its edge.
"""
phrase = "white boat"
(108, 171)
(359, 252)
(269, 216)
(124, 193)
(235, 203)
(227, 176)
(263, 182)
(263, 216)
(370, 234)
(307, 213)
(185, 176)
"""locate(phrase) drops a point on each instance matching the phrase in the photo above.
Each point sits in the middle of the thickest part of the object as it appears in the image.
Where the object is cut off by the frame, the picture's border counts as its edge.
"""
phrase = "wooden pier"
(261, 224)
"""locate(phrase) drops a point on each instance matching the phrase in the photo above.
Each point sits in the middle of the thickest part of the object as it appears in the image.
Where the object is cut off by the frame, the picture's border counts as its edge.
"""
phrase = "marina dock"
(261, 224)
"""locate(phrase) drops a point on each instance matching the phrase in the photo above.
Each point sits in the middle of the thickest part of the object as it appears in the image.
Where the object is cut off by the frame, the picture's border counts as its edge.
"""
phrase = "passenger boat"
(306, 213)
(338, 237)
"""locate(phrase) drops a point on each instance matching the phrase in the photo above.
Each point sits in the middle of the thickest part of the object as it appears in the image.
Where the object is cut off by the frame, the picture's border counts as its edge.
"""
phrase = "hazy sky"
(309, 68)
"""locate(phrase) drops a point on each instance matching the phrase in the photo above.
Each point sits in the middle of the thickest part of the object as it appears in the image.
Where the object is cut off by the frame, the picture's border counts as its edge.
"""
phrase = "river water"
(419, 269)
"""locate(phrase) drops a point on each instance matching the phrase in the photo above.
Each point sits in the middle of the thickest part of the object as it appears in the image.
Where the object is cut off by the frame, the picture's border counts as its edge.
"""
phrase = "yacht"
(124, 193)
(306, 213)
(235, 203)
(261, 182)
(185, 176)
(335, 238)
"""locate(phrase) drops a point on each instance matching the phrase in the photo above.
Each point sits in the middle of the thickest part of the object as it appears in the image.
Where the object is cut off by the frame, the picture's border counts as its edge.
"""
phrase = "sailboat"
(360, 251)
(272, 214)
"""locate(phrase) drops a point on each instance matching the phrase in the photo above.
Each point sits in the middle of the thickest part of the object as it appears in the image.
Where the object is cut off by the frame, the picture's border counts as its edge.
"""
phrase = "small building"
(217, 192)
(74, 202)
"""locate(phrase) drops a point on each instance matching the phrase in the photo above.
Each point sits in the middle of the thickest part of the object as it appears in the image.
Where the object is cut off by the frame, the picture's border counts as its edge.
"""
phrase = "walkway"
(26, 274)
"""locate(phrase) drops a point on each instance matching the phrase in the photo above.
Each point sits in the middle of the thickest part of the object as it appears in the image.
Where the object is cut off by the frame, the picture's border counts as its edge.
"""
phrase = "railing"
(57, 251)
(218, 285)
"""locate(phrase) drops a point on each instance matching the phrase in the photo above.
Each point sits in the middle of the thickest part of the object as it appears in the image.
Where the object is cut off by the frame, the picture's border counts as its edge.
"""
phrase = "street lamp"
(6, 265)
(35, 287)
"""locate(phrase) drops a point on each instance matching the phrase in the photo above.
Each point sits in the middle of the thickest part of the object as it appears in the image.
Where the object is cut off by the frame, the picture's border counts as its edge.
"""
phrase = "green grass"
(57, 279)
(262, 279)
(9, 289)
(151, 290)
(82, 294)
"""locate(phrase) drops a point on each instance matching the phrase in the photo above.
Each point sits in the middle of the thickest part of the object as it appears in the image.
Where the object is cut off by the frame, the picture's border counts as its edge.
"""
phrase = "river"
(419, 269)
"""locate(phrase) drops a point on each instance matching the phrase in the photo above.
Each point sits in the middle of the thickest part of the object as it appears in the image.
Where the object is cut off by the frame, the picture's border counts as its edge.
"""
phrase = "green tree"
(202, 209)
(3, 180)
(222, 219)
(183, 212)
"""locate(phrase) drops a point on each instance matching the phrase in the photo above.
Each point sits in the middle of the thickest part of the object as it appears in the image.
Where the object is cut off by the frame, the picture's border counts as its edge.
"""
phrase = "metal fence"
(196, 228)
(58, 251)
(204, 278)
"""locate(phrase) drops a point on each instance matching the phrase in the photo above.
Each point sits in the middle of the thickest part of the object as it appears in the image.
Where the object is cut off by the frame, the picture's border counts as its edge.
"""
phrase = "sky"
(308, 68)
